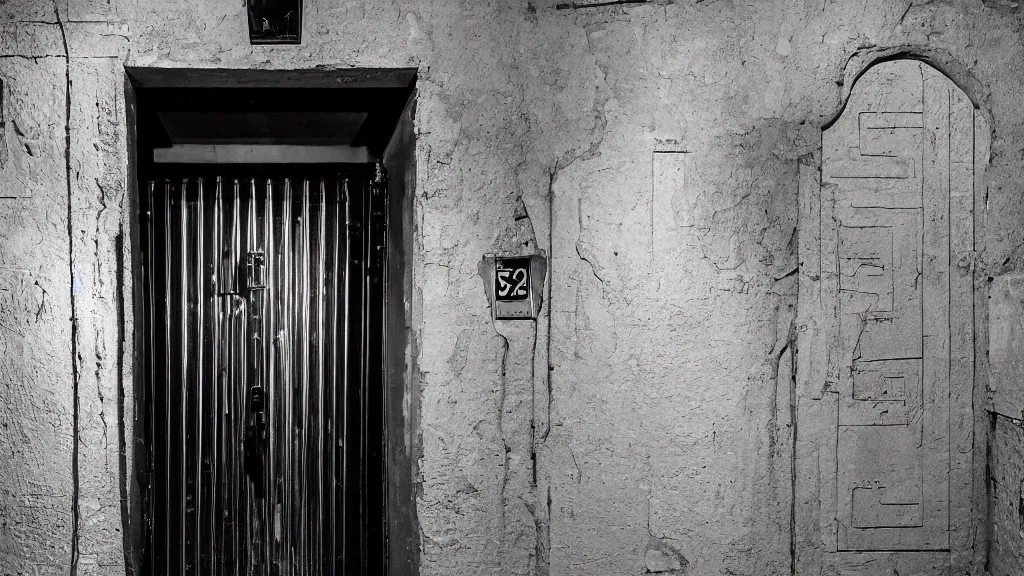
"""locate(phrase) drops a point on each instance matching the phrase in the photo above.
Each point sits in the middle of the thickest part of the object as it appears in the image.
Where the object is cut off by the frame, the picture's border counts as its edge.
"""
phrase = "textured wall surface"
(1007, 505)
(652, 150)
(37, 421)
(885, 462)
(1006, 344)
(1006, 374)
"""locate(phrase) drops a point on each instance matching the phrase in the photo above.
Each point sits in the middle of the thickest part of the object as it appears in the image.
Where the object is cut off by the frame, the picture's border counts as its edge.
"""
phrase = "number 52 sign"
(514, 293)
(511, 278)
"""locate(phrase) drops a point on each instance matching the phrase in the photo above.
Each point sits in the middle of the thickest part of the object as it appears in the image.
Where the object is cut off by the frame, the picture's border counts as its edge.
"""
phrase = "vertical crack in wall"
(520, 424)
(98, 265)
(542, 548)
(547, 296)
(3, 131)
(794, 351)
(75, 482)
(533, 407)
(122, 444)
(989, 488)
(99, 352)
(42, 301)
(502, 394)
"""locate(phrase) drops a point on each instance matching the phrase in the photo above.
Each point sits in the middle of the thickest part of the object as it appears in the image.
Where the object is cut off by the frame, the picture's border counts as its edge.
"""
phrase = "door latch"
(257, 407)
(256, 271)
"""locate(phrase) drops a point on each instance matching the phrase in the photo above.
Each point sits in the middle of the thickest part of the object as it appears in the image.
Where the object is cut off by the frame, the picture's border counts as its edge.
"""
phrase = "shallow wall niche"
(885, 454)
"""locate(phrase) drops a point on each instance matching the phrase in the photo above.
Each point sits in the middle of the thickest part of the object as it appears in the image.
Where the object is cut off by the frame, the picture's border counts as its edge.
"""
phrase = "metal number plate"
(511, 279)
(515, 296)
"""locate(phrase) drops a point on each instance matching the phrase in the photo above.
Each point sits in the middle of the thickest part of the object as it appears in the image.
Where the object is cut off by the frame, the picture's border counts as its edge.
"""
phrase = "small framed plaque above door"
(274, 21)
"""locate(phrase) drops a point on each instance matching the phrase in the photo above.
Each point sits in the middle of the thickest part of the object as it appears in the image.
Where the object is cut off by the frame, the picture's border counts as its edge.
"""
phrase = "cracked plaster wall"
(1006, 460)
(1006, 504)
(650, 150)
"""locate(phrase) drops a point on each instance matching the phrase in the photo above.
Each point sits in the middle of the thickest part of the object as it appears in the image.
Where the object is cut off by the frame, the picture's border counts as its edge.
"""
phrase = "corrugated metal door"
(264, 307)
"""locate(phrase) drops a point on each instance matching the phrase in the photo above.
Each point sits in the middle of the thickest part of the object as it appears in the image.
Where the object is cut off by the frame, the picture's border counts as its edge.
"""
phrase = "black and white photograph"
(511, 287)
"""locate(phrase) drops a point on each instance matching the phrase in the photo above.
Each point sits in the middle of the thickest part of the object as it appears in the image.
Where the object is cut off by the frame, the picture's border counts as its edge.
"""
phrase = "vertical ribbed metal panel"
(264, 302)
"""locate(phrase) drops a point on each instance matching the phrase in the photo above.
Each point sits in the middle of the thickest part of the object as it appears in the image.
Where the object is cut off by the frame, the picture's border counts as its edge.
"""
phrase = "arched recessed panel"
(886, 306)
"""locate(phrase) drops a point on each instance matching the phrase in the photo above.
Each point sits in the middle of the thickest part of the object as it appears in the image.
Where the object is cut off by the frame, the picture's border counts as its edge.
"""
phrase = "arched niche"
(886, 450)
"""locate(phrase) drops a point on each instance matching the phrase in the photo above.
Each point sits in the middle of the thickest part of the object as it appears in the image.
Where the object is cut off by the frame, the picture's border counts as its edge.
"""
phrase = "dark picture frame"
(274, 21)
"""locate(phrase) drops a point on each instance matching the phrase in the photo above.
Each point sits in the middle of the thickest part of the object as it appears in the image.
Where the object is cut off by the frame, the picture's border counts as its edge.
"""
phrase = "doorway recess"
(269, 295)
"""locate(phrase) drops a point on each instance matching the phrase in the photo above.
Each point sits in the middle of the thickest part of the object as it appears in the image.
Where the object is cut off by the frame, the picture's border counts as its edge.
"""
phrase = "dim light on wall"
(274, 21)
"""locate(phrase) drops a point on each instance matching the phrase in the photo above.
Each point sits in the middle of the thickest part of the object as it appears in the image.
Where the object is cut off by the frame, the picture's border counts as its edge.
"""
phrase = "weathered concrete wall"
(1006, 344)
(36, 414)
(651, 150)
(1007, 502)
(64, 188)
(1006, 465)
(670, 401)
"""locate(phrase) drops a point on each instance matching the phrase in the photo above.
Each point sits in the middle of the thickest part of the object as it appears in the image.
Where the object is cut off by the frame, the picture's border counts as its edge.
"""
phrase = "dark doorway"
(265, 296)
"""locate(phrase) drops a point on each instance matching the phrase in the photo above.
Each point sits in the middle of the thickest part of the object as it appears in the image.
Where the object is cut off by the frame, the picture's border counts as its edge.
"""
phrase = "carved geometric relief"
(889, 166)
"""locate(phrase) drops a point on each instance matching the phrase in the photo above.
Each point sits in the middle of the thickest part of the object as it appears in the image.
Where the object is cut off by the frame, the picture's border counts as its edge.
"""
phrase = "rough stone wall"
(1006, 463)
(1007, 503)
(650, 149)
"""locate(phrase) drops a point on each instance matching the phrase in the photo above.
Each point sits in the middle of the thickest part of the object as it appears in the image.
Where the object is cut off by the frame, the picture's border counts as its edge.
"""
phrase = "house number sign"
(511, 279)
(515, 290)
